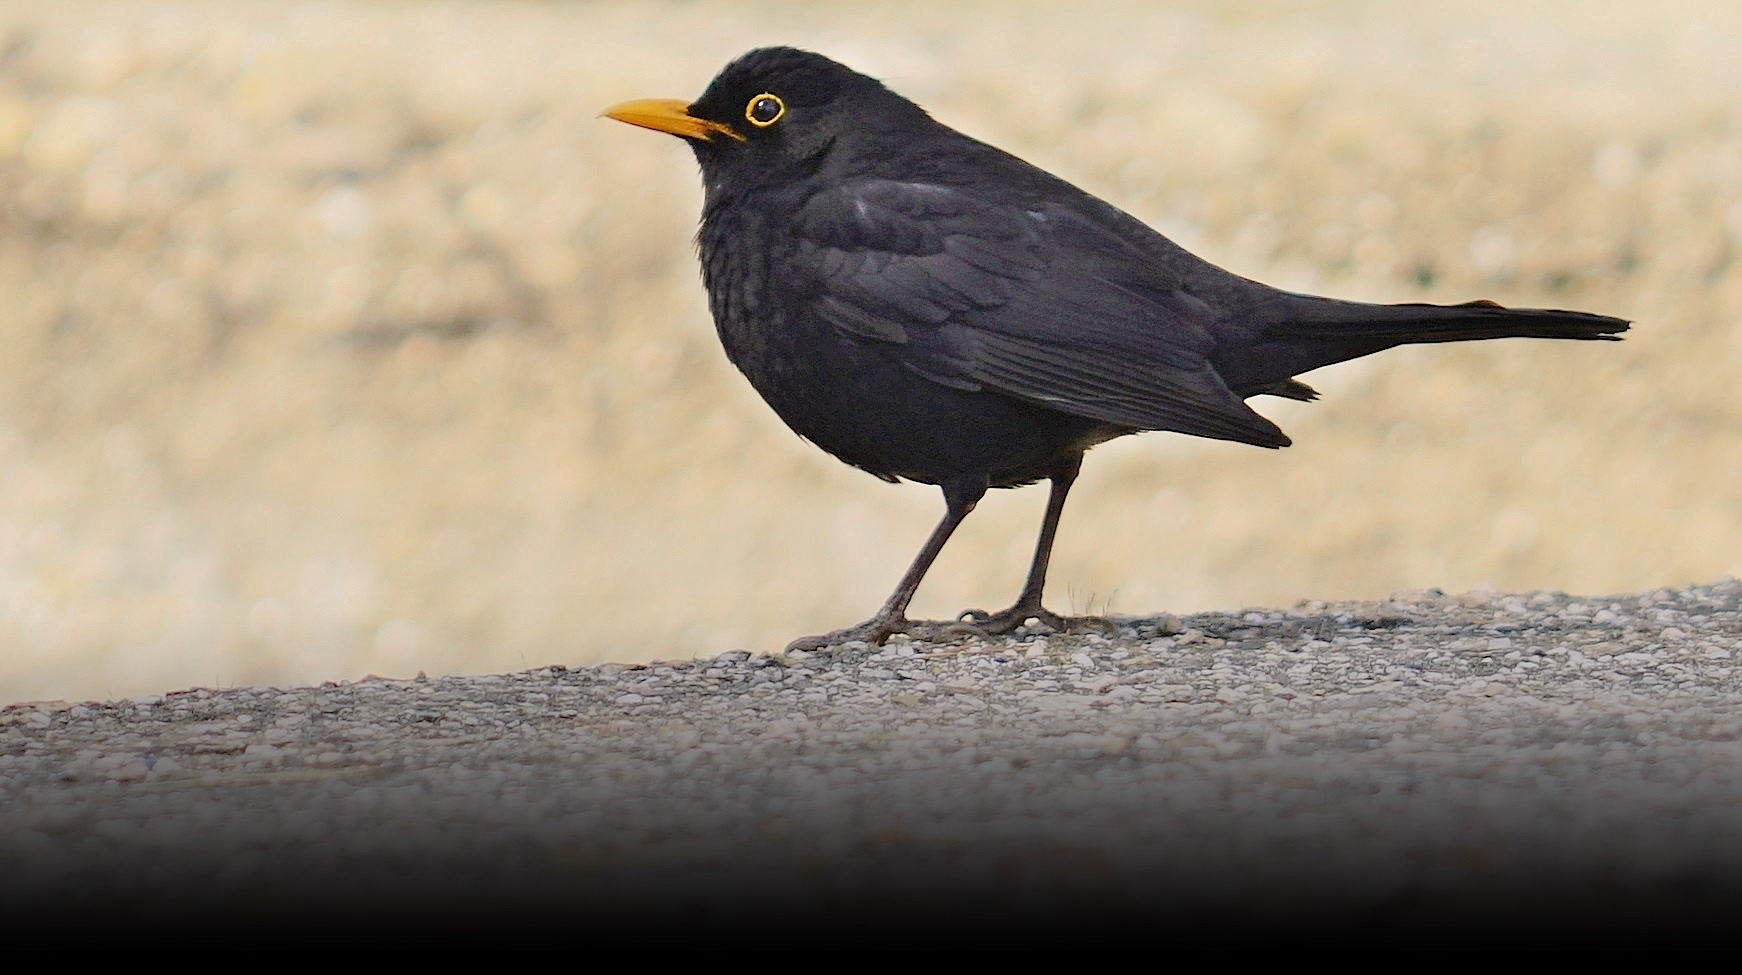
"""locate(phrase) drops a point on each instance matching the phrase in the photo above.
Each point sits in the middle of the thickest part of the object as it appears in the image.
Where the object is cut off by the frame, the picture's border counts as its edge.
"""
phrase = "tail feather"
(1292, 389)
(1303, 333)
(1471, 321)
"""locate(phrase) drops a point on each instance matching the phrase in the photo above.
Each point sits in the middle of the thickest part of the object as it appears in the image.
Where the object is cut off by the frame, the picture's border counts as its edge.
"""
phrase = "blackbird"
(925, 306)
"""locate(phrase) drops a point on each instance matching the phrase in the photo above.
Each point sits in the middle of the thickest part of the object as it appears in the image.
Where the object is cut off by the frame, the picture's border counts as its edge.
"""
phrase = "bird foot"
(993, 624)
(879, 629)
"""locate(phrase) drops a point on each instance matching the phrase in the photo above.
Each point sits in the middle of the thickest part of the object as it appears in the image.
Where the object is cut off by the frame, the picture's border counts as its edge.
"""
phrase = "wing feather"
(1041, 304)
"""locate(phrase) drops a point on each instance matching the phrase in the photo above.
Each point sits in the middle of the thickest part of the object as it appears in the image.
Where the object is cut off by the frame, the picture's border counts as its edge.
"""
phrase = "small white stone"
(263, 753)
(132, 771)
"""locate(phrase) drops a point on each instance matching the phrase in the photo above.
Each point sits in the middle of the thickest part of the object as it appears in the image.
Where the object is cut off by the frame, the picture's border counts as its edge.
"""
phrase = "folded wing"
(1040, 304)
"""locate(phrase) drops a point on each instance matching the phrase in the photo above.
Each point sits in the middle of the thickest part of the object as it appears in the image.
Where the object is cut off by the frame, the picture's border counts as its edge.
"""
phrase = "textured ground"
(1485, 763)
(344, 338)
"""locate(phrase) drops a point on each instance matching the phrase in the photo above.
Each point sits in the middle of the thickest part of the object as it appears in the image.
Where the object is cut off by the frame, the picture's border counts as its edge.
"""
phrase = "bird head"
(773, 114)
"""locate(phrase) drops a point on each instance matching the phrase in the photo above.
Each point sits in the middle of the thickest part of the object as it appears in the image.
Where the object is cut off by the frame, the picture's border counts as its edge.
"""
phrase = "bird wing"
(1037, 302)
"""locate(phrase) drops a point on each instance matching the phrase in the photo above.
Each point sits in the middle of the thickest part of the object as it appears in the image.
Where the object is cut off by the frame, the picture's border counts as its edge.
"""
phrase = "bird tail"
(1383, 326)
(1303, 333)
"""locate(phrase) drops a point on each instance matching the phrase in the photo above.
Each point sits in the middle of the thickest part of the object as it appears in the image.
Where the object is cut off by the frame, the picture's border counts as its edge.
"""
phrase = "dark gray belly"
(859, 403)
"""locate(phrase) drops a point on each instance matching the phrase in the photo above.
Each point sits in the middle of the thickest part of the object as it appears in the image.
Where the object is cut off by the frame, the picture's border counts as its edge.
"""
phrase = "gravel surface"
(1577, 758)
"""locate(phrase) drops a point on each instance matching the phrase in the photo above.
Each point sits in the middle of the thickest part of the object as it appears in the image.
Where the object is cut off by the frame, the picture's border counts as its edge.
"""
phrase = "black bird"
(925, 306)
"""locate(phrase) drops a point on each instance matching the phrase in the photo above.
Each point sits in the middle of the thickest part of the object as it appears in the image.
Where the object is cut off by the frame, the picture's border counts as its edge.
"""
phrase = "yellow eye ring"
(764, 110)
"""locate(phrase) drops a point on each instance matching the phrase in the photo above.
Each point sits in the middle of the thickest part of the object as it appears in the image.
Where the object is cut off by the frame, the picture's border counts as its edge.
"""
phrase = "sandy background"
(340, 338)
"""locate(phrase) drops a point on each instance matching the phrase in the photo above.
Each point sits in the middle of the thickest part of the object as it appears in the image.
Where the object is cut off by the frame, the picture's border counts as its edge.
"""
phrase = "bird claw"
(971, 623)
(1015, 617)
(1037, 617)
(877, 630)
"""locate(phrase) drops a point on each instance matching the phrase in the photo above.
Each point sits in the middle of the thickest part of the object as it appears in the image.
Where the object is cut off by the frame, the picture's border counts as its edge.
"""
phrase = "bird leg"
(1028, 605)
(959, 499)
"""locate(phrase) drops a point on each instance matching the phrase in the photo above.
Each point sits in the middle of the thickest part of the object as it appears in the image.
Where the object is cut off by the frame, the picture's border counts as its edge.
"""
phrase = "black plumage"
(925, 306)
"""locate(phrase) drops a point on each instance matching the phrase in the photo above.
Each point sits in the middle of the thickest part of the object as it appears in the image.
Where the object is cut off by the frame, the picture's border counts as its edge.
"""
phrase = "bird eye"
(764, 110)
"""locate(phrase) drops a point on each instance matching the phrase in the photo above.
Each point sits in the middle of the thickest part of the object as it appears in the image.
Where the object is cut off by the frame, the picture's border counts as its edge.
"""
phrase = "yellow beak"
(668, 115)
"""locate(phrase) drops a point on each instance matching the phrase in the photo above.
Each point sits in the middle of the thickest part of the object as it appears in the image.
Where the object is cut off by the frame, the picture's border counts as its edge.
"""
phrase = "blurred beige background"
(340, 338)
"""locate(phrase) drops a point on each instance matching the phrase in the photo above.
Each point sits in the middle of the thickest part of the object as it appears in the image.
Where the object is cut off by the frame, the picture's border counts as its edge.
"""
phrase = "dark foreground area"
(1489, 765)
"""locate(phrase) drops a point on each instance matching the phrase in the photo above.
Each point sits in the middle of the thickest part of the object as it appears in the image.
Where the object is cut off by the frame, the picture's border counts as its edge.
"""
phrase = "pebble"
(1421, 743)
